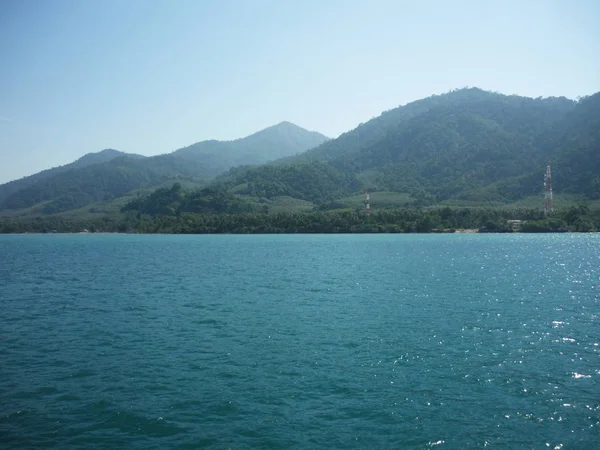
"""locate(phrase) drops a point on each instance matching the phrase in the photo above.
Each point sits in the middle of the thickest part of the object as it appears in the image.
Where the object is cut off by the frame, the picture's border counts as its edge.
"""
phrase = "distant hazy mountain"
(279, 141)
(100, 157)
(468, 145)
(110, 174)
(86, 160)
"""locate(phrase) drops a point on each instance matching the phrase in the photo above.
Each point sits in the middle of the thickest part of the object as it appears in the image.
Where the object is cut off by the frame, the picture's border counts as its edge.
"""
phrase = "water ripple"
(300, 341)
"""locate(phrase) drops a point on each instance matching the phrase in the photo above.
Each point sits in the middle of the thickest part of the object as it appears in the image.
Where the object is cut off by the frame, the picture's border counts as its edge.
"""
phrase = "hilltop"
(89, 159)
(465, 147)
(468, 147)
(111, 175)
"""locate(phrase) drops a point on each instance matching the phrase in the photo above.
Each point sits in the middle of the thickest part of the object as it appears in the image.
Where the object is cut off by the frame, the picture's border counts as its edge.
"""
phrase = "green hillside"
(110, 175)
(11, 187)
(452, 146)
(281, 140)
(101, 182)
(467, 148)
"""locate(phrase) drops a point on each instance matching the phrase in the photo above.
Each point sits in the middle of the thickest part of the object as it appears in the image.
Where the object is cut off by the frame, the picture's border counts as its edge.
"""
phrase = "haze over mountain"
(170, 74)
(109, 174)
(278, 141)
(468, 146)
(89, 159)
(456, 144)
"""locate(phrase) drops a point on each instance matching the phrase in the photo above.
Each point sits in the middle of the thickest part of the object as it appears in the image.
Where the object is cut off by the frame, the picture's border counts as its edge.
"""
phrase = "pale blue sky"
(151, 76)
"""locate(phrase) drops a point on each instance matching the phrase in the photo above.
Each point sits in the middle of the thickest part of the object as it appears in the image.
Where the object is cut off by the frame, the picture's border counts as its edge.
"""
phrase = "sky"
(151, 76)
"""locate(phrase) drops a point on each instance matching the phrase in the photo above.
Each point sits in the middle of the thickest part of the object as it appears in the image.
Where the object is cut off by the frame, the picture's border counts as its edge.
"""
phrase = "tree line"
(398, 220)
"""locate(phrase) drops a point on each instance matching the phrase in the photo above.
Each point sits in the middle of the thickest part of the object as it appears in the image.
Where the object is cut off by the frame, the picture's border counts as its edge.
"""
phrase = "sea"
(447, 341)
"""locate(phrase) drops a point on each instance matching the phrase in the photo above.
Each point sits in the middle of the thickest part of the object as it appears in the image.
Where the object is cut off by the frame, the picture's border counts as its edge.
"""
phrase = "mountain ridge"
(91, 158)
(368, 132)
(116, 173)
(283, 139)
(466, 146)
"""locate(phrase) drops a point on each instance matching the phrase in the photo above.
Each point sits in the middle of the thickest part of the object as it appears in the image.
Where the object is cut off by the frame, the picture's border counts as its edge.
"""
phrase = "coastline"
(459, 231)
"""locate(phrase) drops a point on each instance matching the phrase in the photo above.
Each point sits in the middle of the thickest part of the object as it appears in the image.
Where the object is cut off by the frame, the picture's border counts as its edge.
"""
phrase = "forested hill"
(469, 144)
(531, 116)
(102, 182)
(282, 140)
(109, 175)
(576, 149)
(86, 160)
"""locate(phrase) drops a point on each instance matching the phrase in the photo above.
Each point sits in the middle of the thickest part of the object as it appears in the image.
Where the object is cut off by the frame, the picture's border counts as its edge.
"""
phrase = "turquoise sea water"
(312, 341)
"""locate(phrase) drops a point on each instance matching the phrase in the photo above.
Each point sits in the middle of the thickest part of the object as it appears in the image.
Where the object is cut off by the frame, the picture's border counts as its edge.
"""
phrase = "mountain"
(87, 160)
(468, 145)
(577, 149)
(103, 182)
(443, 146)
(109, 174)
(100, 157)
(282, 140)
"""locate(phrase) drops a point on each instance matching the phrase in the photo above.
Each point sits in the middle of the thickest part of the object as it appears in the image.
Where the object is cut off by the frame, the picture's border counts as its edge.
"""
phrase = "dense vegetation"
(175, 201)
(87, 160)
(396, 220)
(577, 149)
(110, 174)
(77, 188)
(468, 144)
(279, 141)
(315, 182)
(467, 147)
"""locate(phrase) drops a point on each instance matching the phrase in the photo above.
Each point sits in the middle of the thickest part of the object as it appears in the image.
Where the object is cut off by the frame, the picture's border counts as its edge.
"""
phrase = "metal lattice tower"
(548, 201)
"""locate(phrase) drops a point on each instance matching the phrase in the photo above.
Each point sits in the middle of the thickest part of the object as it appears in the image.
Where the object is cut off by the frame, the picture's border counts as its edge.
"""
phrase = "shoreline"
(461, 231)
